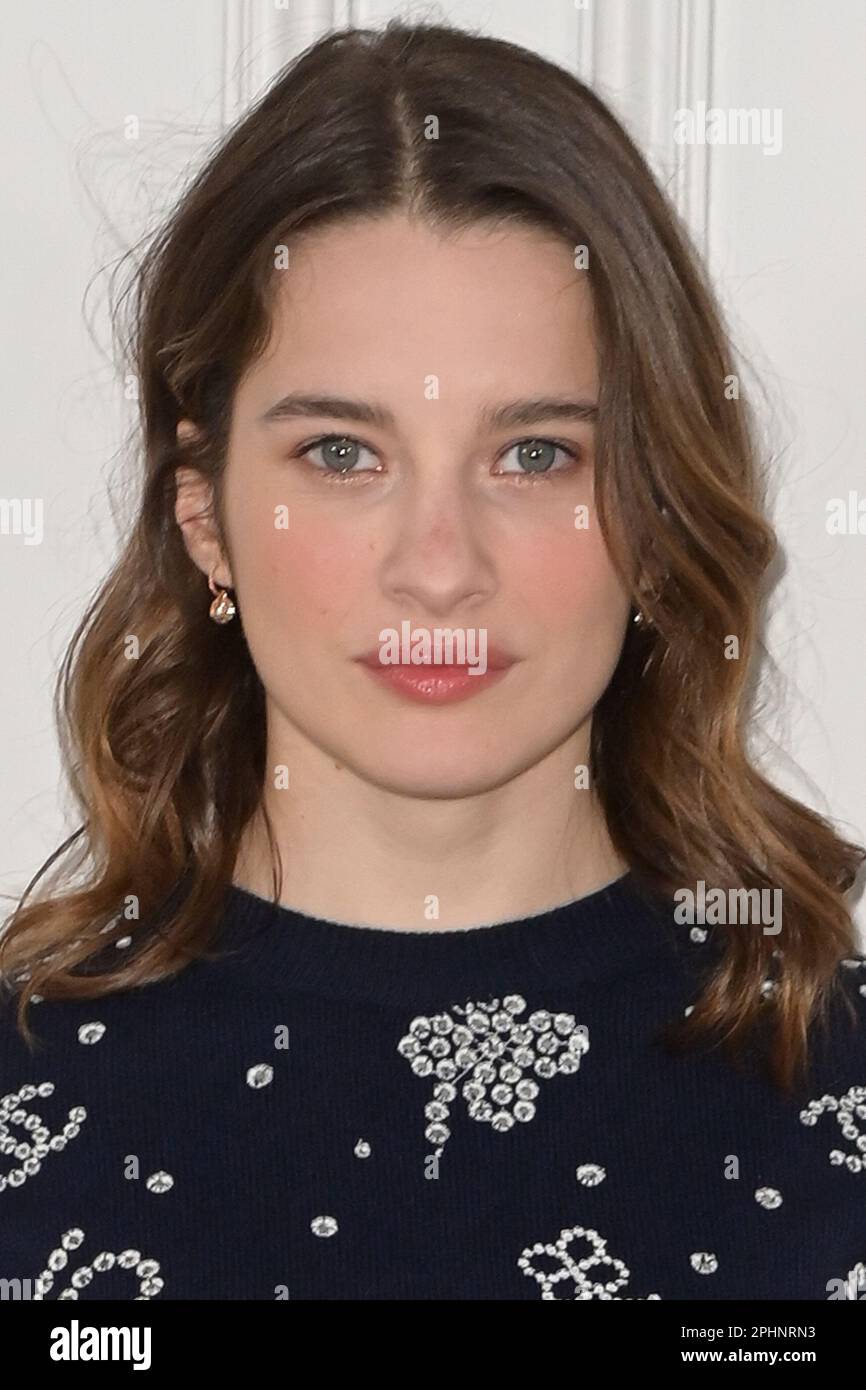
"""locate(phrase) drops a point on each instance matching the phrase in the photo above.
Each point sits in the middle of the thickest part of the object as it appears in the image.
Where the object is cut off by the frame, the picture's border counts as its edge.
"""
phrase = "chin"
(427, 774)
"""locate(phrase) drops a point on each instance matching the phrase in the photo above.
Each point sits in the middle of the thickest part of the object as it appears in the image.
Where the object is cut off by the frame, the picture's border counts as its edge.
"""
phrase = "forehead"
(390, 302)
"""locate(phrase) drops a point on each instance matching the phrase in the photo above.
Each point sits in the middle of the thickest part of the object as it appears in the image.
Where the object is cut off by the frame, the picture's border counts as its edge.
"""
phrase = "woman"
(410, 737)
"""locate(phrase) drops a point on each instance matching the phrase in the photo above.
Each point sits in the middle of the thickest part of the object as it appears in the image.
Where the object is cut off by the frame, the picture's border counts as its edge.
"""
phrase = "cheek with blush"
(313, 576)
(568, 583)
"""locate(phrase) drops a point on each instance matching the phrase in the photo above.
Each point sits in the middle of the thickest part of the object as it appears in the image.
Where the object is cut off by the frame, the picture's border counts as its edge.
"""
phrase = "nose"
(437, 560)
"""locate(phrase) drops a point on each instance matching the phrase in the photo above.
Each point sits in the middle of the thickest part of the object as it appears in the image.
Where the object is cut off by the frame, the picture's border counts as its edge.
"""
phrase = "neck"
(356, 852)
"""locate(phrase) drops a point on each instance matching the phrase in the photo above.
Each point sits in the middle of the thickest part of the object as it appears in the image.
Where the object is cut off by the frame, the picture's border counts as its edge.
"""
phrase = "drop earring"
(223, 608)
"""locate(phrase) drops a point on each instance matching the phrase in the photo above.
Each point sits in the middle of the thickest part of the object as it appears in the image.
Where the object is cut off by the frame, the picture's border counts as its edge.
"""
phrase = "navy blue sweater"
(332, 1111)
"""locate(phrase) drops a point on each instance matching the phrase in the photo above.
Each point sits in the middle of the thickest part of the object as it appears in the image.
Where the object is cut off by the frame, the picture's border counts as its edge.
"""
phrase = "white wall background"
(783, 233)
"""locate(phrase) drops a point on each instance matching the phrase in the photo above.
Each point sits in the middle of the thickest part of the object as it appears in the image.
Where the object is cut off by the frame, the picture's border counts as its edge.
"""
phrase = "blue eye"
(536, 457)
(341, 452)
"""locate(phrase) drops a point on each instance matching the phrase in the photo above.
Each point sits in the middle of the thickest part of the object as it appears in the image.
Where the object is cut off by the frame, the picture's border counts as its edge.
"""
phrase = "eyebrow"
(508, 415)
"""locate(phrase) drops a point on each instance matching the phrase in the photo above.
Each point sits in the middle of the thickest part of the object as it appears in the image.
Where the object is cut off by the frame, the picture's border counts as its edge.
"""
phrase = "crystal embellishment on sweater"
(590, 1174)
(577, 1266)
(855, 1284)
(845, 1107)
(147, 1270)
(769, 1197)
(324, 1225)
(90, 1033)
(40, 1141)
(493, 1058)
(160, 1182)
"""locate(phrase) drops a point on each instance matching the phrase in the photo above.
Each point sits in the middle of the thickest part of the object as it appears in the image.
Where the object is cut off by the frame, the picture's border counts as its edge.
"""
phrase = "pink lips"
(437, 684)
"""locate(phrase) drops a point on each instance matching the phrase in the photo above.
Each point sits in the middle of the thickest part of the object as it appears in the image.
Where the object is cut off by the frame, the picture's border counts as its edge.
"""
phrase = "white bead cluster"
(769, 1197)
(577, 1270)
(262, 1074)
(845, 1107)
(590, 1174)
(496, 1048)
(30, 1152)
(324, 1225)
(147, 1270)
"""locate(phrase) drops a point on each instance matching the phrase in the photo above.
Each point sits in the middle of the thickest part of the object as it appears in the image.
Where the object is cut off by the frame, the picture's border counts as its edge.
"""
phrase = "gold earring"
(223, 608)
(639, 617)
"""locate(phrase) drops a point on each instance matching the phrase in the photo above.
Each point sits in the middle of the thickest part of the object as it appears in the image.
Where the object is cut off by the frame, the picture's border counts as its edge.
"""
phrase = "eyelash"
(330, 476)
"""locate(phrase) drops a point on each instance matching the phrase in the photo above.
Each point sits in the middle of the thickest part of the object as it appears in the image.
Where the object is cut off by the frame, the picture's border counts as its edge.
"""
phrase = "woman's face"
(440, 521)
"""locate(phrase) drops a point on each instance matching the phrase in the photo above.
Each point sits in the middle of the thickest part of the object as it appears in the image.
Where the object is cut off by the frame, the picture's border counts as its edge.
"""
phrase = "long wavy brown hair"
(165, 748)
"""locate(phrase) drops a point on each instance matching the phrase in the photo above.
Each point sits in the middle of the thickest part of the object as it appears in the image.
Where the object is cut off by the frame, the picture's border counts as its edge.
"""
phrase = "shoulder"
(14, 1047)
(847, 1002)
(29, 1123)
(21, 1055)
(837, 1058)
(61, 1031)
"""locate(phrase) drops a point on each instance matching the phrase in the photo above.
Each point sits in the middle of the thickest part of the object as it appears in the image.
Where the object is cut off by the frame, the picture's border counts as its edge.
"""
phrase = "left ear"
(194, 514)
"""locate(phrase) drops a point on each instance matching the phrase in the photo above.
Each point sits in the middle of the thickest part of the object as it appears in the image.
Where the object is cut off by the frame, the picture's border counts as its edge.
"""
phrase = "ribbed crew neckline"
(610, 930)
